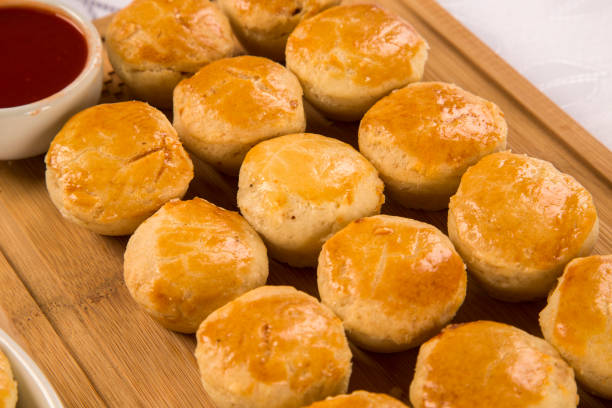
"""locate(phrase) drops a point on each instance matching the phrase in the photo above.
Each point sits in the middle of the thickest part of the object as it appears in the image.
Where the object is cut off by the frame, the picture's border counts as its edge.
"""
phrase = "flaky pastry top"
(435, 125)
(200, 249)
(488, 364)
(7, 383)
(119, 160)
(583, 322)
(182, 35)
(402, 265)
(517, 210)
(275, 16)
(242, 92)
(362, 42)
(359, 399)
(318, 169)
(276, 334)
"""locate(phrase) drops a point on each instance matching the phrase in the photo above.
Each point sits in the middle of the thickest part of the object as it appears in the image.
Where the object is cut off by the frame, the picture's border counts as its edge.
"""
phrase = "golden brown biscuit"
(393, 281)
(264, 25)
(489, 364)
(8, 386)
(232, 104)
(273, 347)
(189, 259)
(359, 399)
(578, 321)
(348, 57)
(297, 190)
(516, 221)
(112, 166)
(153, 44)
(423, 137)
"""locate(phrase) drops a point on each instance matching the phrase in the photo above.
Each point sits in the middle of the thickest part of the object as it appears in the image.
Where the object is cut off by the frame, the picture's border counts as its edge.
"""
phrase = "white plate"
(34, 389)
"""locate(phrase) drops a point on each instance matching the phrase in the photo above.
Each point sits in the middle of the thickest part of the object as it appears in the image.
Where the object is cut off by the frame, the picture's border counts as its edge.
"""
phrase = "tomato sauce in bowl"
(51, 67)
(41, 52)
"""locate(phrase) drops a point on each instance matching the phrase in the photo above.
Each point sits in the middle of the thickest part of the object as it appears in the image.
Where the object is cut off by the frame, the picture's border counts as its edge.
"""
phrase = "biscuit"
(348, 57)
(489, 364)
(153, 44)
(273, 347)
(577, 321)
(393, 281)
(264, 25)
(232, 104)
(297, 190)
(516, 221)
(423, 137)
(112, 166)
(8, 386)
(189, 259)
(359, 399)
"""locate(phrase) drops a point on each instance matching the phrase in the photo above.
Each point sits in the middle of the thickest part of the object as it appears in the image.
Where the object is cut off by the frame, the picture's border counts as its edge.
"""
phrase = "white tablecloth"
(564, 47)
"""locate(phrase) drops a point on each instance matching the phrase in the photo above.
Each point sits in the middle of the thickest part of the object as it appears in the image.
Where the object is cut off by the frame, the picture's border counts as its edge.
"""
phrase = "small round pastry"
(189, 259)
(517, 221)
(423, 137)
(489, 364)
(393, 281)
(273, 347)
(112, 166)
(8, 386)
(297, 190)
(348, 57)
(232, 104)
(153, 44)
(264, 25)
(578, 321)
(359, 399)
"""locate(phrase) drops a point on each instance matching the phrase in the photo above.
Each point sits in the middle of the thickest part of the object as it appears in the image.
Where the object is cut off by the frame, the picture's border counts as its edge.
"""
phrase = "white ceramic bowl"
(27, 130)
(33, 388)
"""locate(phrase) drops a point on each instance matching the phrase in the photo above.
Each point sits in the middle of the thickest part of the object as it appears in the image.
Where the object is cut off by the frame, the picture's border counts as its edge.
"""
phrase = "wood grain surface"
(62, 294)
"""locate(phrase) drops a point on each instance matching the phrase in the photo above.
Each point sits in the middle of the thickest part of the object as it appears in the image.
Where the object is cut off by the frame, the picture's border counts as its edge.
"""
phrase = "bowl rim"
(92, 65)
(15, 353)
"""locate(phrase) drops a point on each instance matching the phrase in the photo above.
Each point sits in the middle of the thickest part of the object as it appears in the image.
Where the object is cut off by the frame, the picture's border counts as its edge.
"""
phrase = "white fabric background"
(564, 47)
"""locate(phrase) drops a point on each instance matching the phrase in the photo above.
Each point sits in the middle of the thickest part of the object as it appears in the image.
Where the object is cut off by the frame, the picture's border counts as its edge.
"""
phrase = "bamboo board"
(62, 295)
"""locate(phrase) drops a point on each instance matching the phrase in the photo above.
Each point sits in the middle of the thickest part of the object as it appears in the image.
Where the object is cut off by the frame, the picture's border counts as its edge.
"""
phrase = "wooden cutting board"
(62, 295)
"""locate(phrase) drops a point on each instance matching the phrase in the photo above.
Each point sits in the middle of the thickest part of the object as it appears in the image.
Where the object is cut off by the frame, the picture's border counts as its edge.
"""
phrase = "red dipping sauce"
(41, 52)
